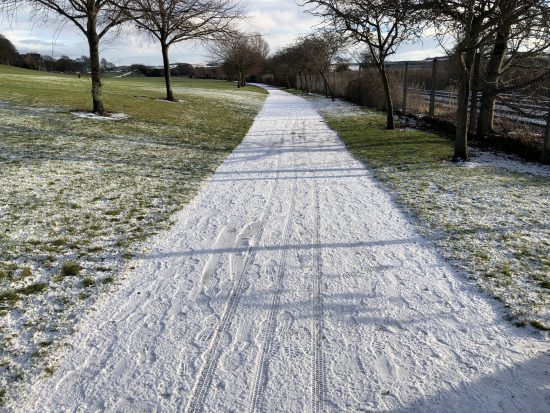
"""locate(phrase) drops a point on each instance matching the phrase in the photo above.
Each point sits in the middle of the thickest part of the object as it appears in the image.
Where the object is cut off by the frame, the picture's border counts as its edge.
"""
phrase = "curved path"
(292, 283)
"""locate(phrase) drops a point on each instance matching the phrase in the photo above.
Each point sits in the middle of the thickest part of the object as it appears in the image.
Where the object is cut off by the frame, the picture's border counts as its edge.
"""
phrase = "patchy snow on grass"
(78, 198)
(180, 101)
(512, 163)
(125, 74)
(95, 116)
(326, 107)
(247, 99)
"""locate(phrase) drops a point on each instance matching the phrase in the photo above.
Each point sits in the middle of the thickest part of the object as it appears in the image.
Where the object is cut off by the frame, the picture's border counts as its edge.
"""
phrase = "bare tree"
(244, 54)
(381, 25)
(470, 23)
(318, 52)
(281, 67)
(94, 18)
(292, 63)
(173, 21)
(314, 53)
(522, 34)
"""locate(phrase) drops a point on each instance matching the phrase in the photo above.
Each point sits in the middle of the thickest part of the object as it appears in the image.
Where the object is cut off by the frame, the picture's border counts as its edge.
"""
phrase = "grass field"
(79, 196)
(489, 217)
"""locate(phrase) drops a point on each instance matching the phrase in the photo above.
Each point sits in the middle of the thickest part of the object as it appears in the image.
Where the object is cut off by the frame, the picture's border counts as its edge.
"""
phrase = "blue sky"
(280, 21)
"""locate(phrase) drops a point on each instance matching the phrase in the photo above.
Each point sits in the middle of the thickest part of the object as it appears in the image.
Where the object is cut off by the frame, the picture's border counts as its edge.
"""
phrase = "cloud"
(422, 49)
(279, 21)
(36, 42)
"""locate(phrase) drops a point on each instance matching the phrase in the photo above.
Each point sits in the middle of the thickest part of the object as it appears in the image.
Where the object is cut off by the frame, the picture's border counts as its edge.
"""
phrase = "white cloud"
(422, 49)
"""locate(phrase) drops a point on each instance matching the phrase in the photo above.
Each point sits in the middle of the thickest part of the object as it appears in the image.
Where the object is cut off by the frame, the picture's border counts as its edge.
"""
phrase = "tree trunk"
(461, 137)
(431, 111)
(490, 84)
(486, 113)
(93, 43)
(387, 94)
(166, 63)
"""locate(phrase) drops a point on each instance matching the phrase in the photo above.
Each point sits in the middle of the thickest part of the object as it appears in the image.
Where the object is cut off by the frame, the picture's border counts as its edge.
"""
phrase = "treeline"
(35, 61)
(211, 71)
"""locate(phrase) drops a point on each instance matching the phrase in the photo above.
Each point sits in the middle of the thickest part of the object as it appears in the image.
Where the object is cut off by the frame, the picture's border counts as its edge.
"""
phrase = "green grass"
(490, 222)
(44, 89)
(9, 298)
(91, 192)
(70, 269)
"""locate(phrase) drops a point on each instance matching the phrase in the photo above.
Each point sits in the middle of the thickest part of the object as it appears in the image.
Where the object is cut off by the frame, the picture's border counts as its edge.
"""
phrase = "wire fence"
(429, 88)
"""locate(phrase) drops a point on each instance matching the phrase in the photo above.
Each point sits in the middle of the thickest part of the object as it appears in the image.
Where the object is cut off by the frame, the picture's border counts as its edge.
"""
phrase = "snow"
(294, 283)
(125, 74)
(95, 116)
(512, 163)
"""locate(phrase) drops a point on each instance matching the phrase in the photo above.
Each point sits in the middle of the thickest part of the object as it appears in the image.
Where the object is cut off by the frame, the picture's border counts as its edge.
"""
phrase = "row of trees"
(500, 33)
(211, 71)
(310, 54)
(167, 21)
(241, 55)
(35, 61)
(64, 64)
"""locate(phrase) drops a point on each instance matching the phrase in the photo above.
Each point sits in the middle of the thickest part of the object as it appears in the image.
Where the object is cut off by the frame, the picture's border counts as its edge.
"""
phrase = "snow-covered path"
(293, 283)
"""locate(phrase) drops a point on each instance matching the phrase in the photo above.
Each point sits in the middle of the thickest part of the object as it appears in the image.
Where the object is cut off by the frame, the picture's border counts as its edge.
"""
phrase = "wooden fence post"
(475, 89)
(432, 92)
(405, 89)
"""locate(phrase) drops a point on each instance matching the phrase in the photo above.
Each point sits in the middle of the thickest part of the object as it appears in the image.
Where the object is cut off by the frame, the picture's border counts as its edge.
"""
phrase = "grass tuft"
(26, 272)
(33, 289)
(70, 269)
(88, 282)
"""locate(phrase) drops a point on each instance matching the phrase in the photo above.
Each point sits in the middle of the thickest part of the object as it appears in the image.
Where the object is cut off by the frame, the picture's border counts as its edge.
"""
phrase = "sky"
(279, 21)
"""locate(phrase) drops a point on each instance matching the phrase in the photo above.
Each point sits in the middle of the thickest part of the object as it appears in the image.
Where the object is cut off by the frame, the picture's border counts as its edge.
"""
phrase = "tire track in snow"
(318, 382)
(260, 371)
(214, 351)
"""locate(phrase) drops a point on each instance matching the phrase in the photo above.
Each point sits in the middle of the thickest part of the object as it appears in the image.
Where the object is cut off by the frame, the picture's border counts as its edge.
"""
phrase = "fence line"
(434, 95)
